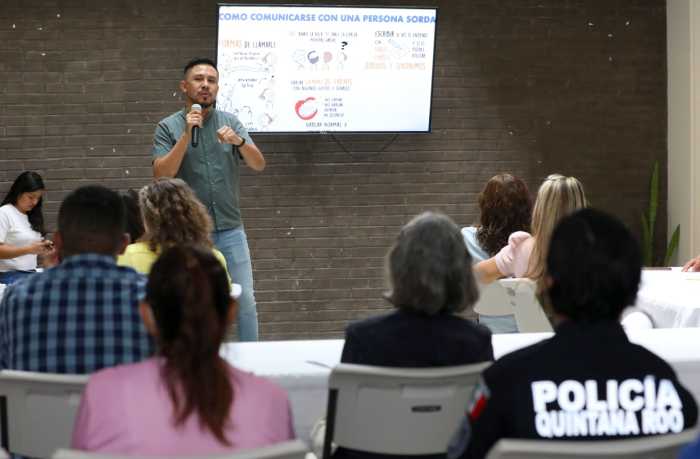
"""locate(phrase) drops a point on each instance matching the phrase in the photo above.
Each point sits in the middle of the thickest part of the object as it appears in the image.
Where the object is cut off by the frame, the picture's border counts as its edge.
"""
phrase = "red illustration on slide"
(306, 108)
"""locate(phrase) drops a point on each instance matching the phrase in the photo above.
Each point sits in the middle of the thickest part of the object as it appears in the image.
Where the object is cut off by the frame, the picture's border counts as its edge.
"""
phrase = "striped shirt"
(77, 317)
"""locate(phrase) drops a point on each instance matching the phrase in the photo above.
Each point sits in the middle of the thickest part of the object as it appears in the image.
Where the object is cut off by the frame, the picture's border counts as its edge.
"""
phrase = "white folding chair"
(295, 449)
(37, 411)
(493, 300)
(528, 313)
(402, 411)
(654, 447)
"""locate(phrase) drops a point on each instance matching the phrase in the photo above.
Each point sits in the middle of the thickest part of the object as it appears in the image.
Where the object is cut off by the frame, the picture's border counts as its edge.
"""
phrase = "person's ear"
(232, 312)
(183, 86)
(58, 245)
(149, 321)
(125, 240)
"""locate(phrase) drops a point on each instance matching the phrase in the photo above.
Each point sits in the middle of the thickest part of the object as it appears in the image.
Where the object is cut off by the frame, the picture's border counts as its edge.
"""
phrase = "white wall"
(683, 41)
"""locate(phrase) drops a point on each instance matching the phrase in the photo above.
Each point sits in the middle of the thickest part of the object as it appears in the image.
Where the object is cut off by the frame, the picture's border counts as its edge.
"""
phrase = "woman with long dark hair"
(186, 400)
(22, 228)
(504, 208)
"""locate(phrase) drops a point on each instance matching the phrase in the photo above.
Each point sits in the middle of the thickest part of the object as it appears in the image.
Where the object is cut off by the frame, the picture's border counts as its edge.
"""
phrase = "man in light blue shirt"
(212, 169)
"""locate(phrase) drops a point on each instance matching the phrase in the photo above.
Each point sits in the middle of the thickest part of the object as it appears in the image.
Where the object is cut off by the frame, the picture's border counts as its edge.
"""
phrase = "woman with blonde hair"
(172, 216)
(525, 254)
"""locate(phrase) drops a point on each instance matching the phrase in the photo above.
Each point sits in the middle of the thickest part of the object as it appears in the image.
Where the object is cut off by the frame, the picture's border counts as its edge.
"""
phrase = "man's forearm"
(169, 164)
(252, 156)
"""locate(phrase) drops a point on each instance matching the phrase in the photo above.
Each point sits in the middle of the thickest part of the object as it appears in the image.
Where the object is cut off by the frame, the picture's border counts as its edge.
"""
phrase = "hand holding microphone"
(194, 120)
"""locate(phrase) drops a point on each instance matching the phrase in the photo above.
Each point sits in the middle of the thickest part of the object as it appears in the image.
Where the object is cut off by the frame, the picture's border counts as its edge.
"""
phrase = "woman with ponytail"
(186, 400)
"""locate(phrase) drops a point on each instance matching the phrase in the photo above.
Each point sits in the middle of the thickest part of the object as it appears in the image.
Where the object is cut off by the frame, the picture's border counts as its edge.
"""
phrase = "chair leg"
(330, 422)
(4, 435)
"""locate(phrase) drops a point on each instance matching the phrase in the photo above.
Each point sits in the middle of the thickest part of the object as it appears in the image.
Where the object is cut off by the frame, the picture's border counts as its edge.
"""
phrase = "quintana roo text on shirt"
(630, 407)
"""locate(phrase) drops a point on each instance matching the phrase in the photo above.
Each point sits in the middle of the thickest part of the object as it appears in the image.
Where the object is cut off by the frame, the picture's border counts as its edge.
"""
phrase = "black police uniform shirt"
(587, 382)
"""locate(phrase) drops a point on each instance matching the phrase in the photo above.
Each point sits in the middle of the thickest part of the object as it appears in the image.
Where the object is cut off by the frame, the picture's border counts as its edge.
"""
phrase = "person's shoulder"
(519, 237)
(227, 117)
(652, 362)
(129, 275)
(138, 248)
(173, 117)
(7, 212)
(520, 363)
(254, 384)
(374, 322)
(134, 374)
(469, 231)
(218, 254)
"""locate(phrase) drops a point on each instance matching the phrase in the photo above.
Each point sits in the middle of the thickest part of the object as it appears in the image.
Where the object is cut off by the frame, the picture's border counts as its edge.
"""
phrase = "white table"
(670, 297)
(302, 367)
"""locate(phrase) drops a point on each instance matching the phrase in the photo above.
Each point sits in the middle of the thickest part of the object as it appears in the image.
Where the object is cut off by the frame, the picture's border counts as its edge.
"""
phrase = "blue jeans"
(499, 324)
(233, 243)
(10, 277)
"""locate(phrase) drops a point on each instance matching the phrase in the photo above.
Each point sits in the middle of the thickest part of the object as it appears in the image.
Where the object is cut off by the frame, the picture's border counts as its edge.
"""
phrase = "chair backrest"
(403, 411)
(295, 449)
(654, 447)
(37, 411)
(528, 313)
(493, 300)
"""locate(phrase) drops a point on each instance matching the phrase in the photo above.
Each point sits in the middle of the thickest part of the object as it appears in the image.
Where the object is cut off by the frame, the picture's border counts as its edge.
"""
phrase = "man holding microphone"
(204, 147)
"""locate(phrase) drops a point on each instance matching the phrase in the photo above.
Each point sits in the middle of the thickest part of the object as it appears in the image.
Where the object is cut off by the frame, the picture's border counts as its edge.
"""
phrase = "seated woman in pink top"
(186, 400)
(525, 254)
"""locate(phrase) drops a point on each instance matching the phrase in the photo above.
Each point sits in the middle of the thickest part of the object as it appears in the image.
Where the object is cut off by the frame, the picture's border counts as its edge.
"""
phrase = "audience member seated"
(587, 382)
(505, 207)
(431, 278)
(81, 315)
(186, 401)
(134, 222)
(172, 215)
(22, 228)
(525, 254)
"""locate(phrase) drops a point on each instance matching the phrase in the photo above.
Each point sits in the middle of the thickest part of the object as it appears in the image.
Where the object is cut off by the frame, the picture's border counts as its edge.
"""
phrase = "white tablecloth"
(302, 367)
(670, 298)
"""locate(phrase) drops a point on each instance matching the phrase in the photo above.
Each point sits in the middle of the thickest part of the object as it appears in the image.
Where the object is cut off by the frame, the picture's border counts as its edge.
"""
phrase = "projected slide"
(326, 69)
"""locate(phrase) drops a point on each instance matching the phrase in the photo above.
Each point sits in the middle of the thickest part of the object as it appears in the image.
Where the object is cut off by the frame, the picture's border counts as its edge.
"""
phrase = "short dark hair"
(594, 264)
(92, 219)
(199, 61)
(134, 222)
(430, 268)
(27, 182)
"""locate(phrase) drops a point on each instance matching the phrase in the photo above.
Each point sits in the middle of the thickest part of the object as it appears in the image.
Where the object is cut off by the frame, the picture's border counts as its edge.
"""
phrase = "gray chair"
(402, 411)
(528, 313)
(37, 411)
(655, 447)
(493, 300)
(295, 449)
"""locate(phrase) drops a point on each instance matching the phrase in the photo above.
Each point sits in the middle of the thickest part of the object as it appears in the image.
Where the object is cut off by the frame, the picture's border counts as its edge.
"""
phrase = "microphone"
(195, 129)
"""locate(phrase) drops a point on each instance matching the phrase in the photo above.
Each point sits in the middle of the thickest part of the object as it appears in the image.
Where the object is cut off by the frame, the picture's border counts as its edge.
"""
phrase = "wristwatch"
(240, 144)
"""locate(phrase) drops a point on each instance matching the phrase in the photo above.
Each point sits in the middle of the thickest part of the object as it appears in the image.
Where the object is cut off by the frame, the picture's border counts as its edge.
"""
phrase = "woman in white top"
(22, 228)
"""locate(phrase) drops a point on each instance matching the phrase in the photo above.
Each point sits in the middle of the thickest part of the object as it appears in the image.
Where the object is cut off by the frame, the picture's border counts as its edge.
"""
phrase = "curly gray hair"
(429, 267)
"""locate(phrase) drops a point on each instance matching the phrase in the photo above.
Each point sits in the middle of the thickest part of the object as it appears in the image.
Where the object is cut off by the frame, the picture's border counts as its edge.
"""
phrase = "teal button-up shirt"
(211, 169)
